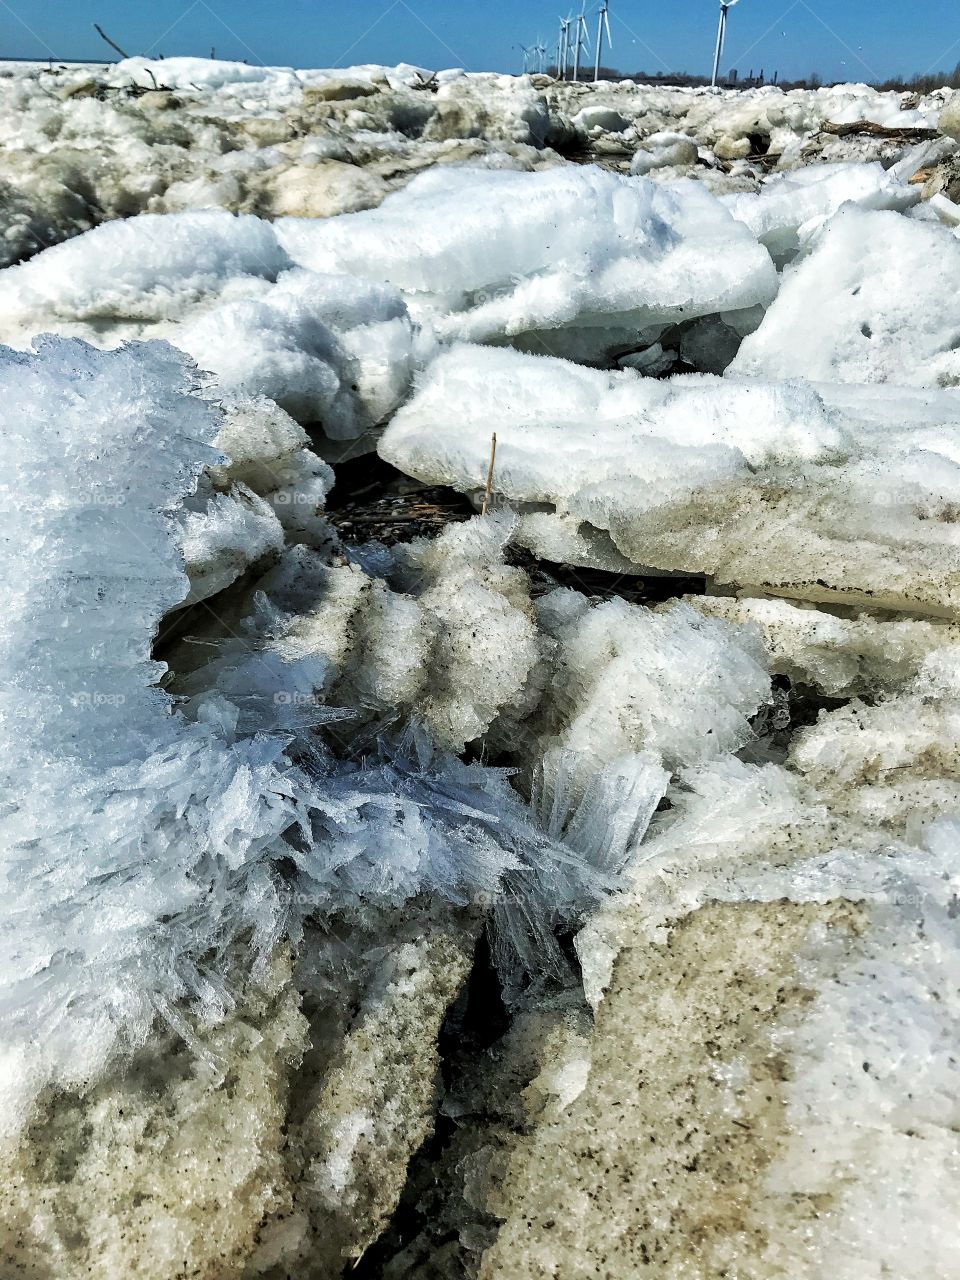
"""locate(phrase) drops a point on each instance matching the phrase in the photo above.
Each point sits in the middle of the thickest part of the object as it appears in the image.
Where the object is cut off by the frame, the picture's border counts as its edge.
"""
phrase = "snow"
(879, 286)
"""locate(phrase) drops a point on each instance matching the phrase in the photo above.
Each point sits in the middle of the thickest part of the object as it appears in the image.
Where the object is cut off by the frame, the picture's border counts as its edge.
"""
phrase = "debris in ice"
(800, 489)
(779, 980)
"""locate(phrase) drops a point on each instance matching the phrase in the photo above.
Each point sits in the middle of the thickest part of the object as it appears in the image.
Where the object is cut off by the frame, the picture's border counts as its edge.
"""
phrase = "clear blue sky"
(852, 39)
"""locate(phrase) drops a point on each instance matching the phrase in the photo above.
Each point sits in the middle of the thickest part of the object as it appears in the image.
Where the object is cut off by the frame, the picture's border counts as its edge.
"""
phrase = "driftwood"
(910, 133)
(427, 83)
(112, 43)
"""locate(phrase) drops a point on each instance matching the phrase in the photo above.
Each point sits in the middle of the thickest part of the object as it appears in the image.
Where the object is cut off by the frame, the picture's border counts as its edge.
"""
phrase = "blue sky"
(854, 40)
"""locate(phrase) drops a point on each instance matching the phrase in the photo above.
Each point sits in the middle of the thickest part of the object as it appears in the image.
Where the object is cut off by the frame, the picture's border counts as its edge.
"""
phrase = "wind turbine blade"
(606, 19)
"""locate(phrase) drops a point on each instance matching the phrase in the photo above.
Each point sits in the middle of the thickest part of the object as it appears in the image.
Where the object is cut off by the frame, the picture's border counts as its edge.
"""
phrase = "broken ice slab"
(873, 300)
(771, 1068)
(848, 494)
(571, 259)
(789, 206)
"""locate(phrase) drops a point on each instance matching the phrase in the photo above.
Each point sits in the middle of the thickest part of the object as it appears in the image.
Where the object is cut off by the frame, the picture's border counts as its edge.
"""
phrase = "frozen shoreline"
(426, 910)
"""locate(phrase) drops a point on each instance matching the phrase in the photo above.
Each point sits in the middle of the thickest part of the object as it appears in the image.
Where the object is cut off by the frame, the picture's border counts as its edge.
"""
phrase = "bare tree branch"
(113, 45)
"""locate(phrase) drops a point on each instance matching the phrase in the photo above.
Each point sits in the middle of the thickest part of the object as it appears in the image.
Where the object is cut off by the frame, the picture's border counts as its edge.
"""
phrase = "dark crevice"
(793, 707)
(374, 502)
(602, 584)
(423, 1225)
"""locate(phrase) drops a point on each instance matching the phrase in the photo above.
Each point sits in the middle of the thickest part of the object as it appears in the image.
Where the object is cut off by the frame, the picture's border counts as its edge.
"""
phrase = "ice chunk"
(663, 150)
(840, 657)
(870, 302)
(693, 687)
(526, 256)
(146, 269)
(332, 352)
(791, 205)
(803, 490)
(144, 854)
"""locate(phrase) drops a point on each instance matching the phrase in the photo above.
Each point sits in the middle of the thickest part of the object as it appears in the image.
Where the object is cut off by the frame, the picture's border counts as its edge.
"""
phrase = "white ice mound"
(332, 352)
(145, 269)
(140, 852)
(872, 301)
(799, 489)
(790, 205)
(572, 257)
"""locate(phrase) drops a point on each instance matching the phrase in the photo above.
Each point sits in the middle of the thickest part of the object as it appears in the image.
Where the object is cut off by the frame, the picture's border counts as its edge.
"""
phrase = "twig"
(489, 489)
(112, 43)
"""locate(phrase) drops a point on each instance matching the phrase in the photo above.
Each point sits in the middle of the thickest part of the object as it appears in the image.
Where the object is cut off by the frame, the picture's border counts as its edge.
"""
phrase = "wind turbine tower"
(583, 39)
(725, 6)
(603, 20)
(564, 47)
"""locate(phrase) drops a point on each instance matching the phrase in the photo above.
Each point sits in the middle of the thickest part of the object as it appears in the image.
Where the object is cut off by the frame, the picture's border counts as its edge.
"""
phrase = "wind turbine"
(565, 24)
(725, 5)
(540, 49)
(603, 20)
(582, 39)
(526, 58)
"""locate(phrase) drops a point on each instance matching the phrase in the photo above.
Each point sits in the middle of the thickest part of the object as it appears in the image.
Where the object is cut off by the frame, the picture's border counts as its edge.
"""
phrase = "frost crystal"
(139, 849)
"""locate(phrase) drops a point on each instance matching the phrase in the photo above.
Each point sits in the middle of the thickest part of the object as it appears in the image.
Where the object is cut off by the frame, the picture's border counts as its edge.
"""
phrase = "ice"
(791, 206)
(141, 271)
(663, 150)
(273, 799)
(571, 257)
(89, 143)
(693, 688)
(140, 846)
(869, 302)
(841, 657)
(796, 488)
(777, 981)
(335, 353)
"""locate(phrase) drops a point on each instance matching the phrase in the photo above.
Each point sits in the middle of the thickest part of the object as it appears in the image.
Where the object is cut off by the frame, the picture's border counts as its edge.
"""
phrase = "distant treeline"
(920, 84)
